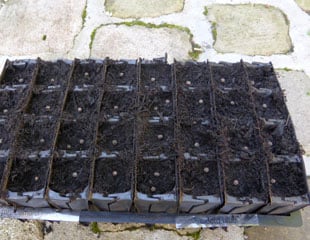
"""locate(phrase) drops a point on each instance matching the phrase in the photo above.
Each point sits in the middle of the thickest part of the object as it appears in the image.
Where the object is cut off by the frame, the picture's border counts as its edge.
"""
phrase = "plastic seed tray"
(189, 143)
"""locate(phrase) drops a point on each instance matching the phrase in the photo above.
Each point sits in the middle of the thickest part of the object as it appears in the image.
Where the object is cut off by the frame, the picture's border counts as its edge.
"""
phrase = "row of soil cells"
(287, 175)
(198, 136)
(110, 129)
(156, 152)
(114, 163)
(244, 166)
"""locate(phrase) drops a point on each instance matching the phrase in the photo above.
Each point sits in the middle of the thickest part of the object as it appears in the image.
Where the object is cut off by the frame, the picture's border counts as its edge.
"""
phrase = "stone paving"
(218, 30)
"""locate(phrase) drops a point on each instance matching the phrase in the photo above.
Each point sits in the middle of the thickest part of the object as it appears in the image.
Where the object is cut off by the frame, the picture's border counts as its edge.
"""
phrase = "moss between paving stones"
(196, 48)
(252, 29)
(84, 14)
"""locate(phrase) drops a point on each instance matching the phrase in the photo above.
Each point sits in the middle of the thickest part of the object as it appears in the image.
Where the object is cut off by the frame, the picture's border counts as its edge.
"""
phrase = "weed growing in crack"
(206, 11)
(94, 228)
(214, 31)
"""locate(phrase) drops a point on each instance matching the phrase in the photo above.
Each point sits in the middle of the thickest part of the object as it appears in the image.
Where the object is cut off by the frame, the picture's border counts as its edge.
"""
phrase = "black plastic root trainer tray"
(147, 137)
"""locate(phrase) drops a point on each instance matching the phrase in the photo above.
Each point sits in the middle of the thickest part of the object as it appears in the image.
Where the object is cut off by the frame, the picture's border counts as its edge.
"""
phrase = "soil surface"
(76, 135)
(45, 103)
(157, 104)
(2, 166)
(233, 104)
(197, 73)
(157, 139)
(113, 175)
(87, 72)
(290, 179)
(120, 104)
(121, 73)
(81, 103)
(156, 176)
(243, 139)
(53, 73)
(28, 175)
(11, 100)
(229, 76)
(200, 178)
(193, 105)
(36, 135)
(18, 72)
(153, 76)
(6, 134)
(246, 179)
(70, 175)
(115, 136)
(199, 139)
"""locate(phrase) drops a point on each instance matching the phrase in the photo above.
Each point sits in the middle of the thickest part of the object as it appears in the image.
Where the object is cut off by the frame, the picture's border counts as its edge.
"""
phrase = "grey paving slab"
(249, 29)
(231, 233)
(142, 8)
(304, 4)
(121, 41)
(39, 28)
(18, 230)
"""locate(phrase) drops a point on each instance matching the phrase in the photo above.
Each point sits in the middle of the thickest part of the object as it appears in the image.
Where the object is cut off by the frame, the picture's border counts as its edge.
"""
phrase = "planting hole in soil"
(192, 75)
(194, 105)
(75, 135)
(36, 134)
(82, 103)
(6, 134)
(120, 104)
(233, 104)
(157, 104)
(246, 179)
(199, 140)
(200, 178)
(156, 176)
(287, 179)
(229, 76)
(19, 72)
(11, 100)
(115, 136)
(121, 73)
(113, 175)
(45, 103)
(157, 139)
(70, 175)
(53, 73)
(28, 175)
(156, 76)
(87, 72)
